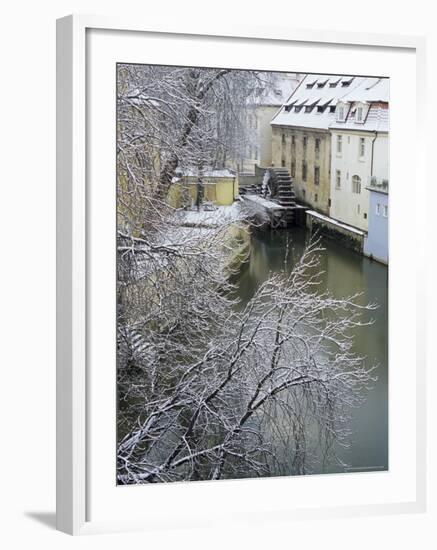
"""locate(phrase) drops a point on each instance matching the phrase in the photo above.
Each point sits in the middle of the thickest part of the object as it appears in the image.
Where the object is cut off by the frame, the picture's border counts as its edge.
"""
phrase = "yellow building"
(219, 187)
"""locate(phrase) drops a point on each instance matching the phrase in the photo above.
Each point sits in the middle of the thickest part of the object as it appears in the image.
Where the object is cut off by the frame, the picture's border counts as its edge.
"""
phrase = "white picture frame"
(74, 460)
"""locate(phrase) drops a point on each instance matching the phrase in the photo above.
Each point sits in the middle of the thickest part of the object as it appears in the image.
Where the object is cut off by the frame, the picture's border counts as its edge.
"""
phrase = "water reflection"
(345, 273)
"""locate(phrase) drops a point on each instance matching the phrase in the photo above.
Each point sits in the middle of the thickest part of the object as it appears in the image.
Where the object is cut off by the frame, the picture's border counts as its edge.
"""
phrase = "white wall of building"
(346, 205)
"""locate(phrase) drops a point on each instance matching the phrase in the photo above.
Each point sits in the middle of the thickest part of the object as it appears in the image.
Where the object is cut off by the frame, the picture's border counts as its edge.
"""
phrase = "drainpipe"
(371, 159)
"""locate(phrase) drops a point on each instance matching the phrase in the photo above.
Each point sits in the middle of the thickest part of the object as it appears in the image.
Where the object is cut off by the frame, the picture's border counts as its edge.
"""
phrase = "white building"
(359, 150)
(265, 102)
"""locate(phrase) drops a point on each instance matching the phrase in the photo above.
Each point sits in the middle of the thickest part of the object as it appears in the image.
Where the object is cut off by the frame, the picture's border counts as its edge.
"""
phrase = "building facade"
(301, 139)
(359, 150)
(306, 154)
(376, 242)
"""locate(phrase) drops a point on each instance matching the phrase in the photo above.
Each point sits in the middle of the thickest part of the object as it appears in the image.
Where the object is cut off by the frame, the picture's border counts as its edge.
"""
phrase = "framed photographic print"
(239, 327)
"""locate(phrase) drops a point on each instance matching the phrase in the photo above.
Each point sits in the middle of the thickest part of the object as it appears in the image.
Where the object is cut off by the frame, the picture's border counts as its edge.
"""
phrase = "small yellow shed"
(219, 187)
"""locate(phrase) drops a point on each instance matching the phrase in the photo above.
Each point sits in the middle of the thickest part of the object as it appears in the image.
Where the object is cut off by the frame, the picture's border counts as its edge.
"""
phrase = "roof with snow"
(372, 95)
(313, 103)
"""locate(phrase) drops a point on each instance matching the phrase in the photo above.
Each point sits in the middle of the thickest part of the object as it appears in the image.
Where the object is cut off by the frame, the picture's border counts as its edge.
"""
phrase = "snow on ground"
(219, 215)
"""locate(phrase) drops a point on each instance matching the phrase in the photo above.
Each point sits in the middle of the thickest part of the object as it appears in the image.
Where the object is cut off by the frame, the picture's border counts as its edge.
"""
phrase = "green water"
(345, 273)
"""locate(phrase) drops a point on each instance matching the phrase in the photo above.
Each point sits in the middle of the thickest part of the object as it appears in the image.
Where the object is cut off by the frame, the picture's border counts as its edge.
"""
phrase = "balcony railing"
(379, 184)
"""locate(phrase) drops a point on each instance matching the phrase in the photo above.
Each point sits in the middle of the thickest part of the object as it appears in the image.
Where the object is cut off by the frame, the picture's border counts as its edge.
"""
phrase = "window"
(378, 209)
(340, 113)
(293, 169)
(304, 171)
(356, 184)
(293, 140)
(309, 108)
(339, 144)
(317, 146)
(346, 81)
(283, 139)
(358, 208)
(332, 108)
(283, 163)
(303, 194)
(359, 117)
(337, 179)
(385, 211)
(329, 202)
(316, 197)
(365, 215)
(305, 141)
(320, 108)
(316, 175)
(362, 147)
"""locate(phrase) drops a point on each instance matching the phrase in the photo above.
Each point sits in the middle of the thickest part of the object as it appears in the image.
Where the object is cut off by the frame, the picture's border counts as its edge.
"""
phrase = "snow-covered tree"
(206, 389)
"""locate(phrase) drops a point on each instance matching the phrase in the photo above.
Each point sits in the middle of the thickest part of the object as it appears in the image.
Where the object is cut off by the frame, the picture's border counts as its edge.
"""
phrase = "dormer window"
(346, 81)
(360, 113)
(321, 84)
(332, 108)
(341, 110)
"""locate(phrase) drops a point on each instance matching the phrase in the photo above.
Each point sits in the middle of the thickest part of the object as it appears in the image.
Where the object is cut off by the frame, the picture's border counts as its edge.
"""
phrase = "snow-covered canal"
(345, 273)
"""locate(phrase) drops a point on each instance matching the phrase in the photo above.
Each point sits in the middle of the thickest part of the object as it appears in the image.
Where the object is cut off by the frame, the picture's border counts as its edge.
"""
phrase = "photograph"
(252, 273)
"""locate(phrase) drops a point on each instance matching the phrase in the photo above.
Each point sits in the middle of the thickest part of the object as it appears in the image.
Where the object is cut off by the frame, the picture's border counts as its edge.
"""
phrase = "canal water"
(345, 273)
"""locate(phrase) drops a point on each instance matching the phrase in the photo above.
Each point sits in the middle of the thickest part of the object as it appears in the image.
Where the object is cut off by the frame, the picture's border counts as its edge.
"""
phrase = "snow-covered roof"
(332, 221)
(376, 120)
(375, 93)
(312, 103)
(370, 90)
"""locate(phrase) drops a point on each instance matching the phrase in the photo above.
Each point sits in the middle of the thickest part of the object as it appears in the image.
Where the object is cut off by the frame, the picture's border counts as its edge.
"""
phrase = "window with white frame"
(385, 211)
(339, 144)
(359, 114)
(378, 209)
(356, 184)
(340, 113)
(338, 179)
